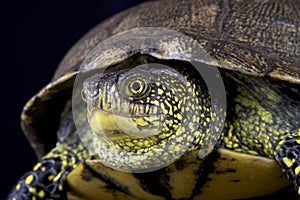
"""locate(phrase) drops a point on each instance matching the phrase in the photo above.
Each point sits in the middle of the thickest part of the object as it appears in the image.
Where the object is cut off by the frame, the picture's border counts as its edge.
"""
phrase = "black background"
(34, 38)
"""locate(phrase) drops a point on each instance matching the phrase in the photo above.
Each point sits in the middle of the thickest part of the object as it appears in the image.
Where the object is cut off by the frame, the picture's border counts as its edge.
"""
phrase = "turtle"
(172, 129)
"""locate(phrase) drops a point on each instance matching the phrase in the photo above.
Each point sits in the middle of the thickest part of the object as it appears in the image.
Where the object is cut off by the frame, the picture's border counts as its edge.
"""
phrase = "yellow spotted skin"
(264, 121)
(257, 125)
(175, 101)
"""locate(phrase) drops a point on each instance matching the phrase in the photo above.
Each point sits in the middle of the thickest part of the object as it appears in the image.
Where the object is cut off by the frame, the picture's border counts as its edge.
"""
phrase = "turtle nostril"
(83, 95)
(90, 90)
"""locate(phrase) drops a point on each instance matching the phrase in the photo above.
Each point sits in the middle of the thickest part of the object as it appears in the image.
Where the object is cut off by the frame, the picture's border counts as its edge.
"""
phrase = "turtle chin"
(112, 125)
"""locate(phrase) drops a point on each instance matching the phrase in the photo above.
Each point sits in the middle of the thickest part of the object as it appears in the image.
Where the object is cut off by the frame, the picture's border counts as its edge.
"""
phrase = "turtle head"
(146, 111)
(140, 103)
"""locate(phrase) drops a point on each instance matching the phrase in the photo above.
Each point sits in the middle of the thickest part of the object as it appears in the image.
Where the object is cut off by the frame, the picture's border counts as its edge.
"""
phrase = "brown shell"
(255, 37)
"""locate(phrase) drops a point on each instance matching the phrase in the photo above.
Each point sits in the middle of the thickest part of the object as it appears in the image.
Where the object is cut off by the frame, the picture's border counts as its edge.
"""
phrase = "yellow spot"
(140, 144)
(179, 139)
(288, 162)
(36, 167)
(179, 116)
(298, 141)
(126, 148)
(183, 109)
(176, 99)
(18, 186)
(175, 127)
(202, 115)
(189, 138)
(64, 163)
(165, 111)
(60, 187)
(33, 198)
(253, 152)
(146, 143)
(141, 122)
(297, 170)
(41, 193)
(29, 179)
(170, 111)
(32, 190)
(57, 177)
(177, 149)
(130, 144)
(51, 177)
(155, 103)
(160, 91)
(281, 131)
(257, 129)
(243, 134)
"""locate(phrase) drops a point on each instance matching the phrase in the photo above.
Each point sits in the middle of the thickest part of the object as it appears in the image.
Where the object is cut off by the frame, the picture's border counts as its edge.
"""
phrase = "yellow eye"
(137, 87)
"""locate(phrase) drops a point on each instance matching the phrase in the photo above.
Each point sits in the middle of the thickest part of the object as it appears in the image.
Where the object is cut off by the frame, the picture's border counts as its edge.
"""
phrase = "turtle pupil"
(136, 86)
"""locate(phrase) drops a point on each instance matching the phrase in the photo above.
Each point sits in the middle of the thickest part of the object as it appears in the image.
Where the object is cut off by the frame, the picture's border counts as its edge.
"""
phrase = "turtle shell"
(260, 38)
(228, 171)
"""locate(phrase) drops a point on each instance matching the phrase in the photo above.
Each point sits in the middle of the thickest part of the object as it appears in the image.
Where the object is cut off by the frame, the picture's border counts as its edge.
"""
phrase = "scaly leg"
(288, 157)
(46, 180)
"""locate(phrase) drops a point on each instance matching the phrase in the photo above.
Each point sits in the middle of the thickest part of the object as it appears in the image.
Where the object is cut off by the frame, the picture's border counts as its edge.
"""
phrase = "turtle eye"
(137, 87)
(134, 85)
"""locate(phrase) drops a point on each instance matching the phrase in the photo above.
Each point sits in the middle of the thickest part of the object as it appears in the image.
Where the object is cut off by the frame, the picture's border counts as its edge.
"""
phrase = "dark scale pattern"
(243, 20)
(288, 157)
(46, 180)
(159, 186)
(258, 119)
(263, 121)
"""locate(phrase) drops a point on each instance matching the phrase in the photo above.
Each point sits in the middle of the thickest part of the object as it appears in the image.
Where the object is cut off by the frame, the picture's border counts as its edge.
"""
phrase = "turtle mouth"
(103, 123)
(116, 125)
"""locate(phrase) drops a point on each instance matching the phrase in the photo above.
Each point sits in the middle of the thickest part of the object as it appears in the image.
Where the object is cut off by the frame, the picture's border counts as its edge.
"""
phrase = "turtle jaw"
(112, 125)
(103, 124)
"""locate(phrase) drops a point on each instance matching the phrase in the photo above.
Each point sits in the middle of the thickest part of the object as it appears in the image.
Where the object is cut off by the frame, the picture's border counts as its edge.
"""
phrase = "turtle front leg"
(47, 178)
(288, 158)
